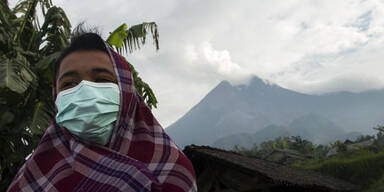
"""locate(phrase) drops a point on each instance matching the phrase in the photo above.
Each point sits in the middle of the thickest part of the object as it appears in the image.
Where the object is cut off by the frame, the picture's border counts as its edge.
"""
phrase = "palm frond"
(117, 37)
(125, 39)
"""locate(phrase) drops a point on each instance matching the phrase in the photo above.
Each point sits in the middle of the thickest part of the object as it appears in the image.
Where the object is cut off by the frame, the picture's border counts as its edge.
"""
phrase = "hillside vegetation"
(352, 161)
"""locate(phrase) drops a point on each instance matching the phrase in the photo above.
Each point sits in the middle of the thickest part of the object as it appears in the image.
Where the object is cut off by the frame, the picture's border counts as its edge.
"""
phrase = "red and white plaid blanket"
(140, 156)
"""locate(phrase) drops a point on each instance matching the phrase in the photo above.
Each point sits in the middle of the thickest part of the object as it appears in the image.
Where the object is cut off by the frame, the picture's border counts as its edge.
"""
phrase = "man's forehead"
(84, 60)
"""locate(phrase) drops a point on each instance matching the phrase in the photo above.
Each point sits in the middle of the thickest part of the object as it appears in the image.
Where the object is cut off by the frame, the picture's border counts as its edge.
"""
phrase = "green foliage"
(26, 106)
(341, 147)
(294, 143)
(117, 37)
(125, 39)
(320, 151)
(15, 73)
(361, 167)
(379, 141)
(301, 145)
(364, 166)
(380, 129)
(144, 89)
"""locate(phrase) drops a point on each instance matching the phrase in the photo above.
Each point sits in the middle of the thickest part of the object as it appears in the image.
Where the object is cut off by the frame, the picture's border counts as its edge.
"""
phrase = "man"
(103, 137)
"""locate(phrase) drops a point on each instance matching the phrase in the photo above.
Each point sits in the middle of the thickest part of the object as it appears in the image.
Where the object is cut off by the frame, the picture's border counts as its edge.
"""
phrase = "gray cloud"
(310, 46)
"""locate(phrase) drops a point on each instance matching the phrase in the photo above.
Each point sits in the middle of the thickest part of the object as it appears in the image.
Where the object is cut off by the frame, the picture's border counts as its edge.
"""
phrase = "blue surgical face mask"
(89, 110)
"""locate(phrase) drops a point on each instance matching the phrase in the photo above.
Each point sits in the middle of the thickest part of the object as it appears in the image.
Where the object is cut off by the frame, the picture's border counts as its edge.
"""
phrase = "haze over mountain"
(312, 127)
(233, 111)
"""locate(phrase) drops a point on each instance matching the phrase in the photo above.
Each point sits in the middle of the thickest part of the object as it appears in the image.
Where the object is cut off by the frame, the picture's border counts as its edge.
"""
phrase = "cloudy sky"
(312, 46)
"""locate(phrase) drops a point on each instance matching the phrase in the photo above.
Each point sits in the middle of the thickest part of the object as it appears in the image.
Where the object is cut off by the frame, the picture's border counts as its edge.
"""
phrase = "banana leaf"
(42, 116)
(129, 39)
(15, 74)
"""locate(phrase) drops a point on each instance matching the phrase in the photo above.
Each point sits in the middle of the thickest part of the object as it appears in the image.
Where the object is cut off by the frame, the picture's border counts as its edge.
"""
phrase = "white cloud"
(312, 46)
(215, 62)
(191, 54)
(219, 59)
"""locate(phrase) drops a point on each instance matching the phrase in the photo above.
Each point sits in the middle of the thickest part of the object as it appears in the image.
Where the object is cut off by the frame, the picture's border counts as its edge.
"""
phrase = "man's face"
(95, 66)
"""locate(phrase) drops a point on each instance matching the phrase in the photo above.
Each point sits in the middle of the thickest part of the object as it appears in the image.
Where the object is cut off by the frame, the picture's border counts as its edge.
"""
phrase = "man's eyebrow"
(102, 70)
(68, 73)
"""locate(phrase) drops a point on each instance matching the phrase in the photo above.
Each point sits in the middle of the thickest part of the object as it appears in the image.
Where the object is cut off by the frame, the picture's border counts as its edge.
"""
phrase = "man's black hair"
(82, 42)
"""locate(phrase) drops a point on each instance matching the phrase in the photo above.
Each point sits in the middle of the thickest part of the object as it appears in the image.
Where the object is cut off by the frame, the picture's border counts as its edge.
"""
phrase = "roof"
(348, 141)
(289, 152)
(274, 171)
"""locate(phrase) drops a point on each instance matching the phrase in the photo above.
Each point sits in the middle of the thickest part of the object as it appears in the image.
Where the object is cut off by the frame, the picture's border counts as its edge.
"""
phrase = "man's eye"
(69, 84)
(104, 80)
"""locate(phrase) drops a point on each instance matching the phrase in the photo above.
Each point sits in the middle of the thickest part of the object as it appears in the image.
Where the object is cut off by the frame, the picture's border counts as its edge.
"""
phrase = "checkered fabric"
(139, 157)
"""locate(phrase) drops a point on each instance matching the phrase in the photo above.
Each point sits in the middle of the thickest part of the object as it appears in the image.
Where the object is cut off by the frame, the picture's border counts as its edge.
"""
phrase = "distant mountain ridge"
(229, 110)
(311, 127)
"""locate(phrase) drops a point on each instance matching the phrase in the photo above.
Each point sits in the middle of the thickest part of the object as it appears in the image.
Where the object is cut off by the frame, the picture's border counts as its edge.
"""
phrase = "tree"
(321, 151)
(296, 143)
(28, 50)
(340, 146)
(252, 152)
(379, 134)
(363, 138)
(301, 145)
